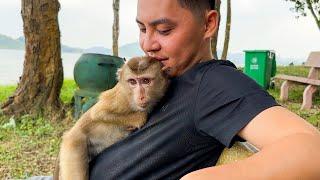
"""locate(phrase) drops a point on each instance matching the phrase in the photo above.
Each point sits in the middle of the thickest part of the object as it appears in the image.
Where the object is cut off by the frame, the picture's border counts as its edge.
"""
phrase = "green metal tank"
(93, 74)
(96, 72)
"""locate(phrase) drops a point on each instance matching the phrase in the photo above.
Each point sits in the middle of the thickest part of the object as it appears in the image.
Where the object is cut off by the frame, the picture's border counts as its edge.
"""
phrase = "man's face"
(171, 34)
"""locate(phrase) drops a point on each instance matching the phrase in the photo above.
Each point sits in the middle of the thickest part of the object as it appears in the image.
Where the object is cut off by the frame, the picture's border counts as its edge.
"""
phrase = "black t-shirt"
(202, 112)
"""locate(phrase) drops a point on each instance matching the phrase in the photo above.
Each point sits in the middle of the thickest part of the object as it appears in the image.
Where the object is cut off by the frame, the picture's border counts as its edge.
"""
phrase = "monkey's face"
(140, 87)
(145, 81)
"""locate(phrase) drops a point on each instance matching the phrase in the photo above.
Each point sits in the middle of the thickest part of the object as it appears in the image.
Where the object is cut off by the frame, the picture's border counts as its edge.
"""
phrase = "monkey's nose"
(142, 98)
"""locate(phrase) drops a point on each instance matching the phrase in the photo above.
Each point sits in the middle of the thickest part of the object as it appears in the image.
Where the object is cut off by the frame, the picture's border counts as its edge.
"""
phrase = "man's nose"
(150, 44)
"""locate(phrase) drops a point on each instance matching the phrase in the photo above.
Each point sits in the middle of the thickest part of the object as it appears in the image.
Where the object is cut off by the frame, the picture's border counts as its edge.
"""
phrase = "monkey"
(141, 84)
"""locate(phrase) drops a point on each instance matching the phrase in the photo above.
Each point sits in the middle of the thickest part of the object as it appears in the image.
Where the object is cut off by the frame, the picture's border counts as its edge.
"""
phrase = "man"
(208, 106)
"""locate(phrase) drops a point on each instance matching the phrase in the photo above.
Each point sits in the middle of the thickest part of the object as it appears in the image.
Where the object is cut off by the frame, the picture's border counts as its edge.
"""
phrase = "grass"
(295, 95)
(30, 148)
(6, 91)
(67, 90)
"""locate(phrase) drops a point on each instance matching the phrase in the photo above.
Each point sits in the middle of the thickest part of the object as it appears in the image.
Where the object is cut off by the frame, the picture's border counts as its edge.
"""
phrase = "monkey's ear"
(119, 72)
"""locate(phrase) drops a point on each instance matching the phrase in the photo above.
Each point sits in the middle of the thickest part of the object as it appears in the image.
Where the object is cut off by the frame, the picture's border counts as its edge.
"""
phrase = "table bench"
(312, 82)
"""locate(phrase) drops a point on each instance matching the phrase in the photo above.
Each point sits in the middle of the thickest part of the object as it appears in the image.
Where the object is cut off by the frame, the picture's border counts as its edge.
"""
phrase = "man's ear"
(212, 22)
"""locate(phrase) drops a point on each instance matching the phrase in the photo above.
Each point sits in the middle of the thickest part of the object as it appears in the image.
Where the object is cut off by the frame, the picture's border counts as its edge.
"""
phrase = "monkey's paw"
(131, 128)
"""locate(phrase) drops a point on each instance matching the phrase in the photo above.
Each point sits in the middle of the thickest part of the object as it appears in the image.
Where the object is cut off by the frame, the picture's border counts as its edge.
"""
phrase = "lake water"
(11, 65)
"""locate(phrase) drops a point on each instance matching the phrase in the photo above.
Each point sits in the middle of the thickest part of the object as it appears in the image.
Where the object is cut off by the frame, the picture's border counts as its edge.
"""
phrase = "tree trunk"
(214, 39)
(115, 27)
(227, 33)
(39, 87)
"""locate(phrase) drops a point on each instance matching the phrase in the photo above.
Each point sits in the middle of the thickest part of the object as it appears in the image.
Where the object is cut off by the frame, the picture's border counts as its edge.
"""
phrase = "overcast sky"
(256, 24)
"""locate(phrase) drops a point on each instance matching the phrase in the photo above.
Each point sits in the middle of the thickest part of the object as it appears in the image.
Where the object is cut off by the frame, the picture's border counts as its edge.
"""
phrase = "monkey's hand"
(131, 128)
(132, 119)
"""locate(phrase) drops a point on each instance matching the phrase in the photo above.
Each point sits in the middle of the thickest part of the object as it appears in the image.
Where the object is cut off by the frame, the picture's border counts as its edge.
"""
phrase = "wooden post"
(309, 90)
(115, 27)
(284, 91)
(313, 73)
(307, 96)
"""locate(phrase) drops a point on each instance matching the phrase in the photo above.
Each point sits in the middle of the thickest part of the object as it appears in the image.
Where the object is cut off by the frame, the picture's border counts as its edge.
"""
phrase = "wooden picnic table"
(312, 82)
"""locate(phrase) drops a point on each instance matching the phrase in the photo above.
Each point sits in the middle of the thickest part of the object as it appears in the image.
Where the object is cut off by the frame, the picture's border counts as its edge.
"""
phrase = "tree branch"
(313, 13)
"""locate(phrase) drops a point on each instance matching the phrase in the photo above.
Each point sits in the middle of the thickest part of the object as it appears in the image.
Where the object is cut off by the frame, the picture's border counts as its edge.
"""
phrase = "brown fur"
(108, 120)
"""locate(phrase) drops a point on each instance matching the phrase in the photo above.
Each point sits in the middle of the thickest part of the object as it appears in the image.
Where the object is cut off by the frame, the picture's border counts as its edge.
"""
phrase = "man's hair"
(197, 7)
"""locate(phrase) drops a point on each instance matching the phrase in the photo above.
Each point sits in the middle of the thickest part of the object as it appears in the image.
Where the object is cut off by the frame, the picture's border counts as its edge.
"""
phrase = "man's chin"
(170, 72)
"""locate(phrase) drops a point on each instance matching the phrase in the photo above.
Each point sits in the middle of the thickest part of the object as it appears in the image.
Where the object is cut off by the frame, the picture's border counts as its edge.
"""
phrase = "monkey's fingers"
(131, 128)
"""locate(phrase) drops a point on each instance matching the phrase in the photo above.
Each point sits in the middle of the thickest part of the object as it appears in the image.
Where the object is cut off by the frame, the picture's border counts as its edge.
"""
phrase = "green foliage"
(27, 124)
(31, 145)
(293, 70)
(67, 90)
(301, 6)
(66, 95)
(30, 148)
(5, 92)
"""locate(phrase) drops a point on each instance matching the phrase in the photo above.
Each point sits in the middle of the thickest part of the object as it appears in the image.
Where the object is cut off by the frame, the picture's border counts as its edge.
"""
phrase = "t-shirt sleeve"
(227, 101)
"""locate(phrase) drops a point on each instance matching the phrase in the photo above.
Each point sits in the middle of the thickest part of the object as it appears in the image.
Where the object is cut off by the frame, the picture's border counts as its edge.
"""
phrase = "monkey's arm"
(74, 155)
(56, 172)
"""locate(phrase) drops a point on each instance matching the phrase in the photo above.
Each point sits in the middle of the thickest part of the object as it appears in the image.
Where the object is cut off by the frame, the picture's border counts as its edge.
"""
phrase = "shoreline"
(15, 84)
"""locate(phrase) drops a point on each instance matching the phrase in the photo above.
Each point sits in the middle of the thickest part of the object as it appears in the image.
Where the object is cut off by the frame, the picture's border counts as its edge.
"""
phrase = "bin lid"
(259, 51)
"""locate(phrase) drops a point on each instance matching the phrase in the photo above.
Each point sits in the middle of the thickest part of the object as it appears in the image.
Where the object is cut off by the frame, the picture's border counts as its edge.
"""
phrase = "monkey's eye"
(132, 81)
(145, 81)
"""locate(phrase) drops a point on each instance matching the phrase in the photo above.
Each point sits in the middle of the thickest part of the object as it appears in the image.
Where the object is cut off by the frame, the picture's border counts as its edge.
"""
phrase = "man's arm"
(289, 149)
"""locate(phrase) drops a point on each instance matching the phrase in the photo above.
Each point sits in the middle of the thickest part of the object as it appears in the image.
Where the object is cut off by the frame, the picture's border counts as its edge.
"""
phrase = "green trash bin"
(260, 65)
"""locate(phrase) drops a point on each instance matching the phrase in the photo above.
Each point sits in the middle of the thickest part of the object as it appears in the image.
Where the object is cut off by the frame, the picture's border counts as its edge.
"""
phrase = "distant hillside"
(98, 50)
(69, 49)
(7, 42)
(239, 59)
(127, 50)
(132, 49)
